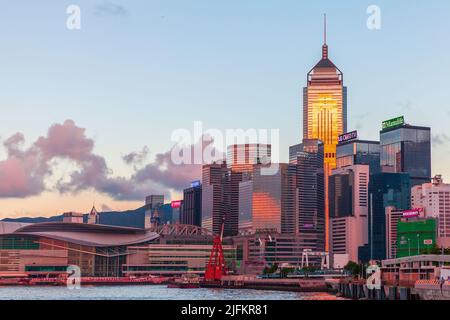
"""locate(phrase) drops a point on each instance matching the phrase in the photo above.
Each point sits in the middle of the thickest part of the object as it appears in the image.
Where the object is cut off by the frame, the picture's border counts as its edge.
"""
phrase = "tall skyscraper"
(406, 148)
(192, 205)
(325, 112)
(348, 194)
(304, 210)
(241, 161)
(385, 190)
(213, 195)
(262, 200)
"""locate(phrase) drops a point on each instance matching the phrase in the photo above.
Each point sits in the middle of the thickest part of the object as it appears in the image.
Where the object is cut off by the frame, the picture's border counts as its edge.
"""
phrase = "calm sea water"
(150, 293)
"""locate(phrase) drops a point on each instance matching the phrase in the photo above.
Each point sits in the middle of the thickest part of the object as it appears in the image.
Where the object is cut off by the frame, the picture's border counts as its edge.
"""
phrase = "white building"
(349, 206)
(93, 217)
(434, 198)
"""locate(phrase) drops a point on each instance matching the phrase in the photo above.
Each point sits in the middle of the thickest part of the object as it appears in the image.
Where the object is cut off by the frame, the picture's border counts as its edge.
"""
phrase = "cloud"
(136, 158)
(23, 172)
(111, 9)
(440, 139)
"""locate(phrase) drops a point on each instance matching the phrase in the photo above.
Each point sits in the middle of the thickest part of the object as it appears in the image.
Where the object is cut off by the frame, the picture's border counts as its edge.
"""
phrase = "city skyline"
(101, 144)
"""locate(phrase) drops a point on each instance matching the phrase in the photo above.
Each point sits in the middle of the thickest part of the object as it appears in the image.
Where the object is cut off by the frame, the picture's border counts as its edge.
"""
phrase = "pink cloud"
(23, 172)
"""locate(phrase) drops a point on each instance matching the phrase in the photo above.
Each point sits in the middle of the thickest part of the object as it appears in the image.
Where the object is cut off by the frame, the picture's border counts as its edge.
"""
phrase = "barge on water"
(186, 281)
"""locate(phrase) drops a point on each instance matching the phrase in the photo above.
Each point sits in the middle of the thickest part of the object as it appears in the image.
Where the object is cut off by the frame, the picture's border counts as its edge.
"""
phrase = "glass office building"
(407, 149)
(192, 206)
(385, 190)
(359, 152)
(261, 200)
(305, 197)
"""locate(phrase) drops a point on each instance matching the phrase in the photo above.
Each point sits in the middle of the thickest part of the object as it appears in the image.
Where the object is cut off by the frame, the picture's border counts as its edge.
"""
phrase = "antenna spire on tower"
(325, 46)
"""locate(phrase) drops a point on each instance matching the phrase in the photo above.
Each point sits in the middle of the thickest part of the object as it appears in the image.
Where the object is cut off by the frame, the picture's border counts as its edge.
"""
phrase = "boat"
(186, 281)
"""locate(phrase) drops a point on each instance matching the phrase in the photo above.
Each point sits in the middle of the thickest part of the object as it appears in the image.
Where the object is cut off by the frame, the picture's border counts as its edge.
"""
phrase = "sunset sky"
(88, 114)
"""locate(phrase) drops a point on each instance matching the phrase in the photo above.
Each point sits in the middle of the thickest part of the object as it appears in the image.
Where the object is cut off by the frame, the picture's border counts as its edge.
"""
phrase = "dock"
(294, 285)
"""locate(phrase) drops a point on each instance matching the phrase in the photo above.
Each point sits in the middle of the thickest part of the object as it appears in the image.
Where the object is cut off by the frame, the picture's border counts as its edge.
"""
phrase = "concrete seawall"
(295, 285)
(432, 290)
(359, 291)
(422, 290)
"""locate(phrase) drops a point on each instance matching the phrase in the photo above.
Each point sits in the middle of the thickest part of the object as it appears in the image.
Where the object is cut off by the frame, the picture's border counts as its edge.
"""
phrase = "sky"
(88, 114)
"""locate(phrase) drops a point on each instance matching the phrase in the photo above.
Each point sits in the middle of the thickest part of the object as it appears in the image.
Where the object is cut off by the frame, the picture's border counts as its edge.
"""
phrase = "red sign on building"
(176, 204)
(412, 213)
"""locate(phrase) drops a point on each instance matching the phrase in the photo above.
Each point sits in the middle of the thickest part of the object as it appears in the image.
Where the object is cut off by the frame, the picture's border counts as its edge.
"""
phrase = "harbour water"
(150, 293)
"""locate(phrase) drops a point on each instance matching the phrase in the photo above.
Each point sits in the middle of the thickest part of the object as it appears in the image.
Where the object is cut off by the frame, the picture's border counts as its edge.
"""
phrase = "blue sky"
(132, 76)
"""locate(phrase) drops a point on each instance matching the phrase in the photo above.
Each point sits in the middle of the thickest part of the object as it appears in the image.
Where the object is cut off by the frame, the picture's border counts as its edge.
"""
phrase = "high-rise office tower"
(231, 200)
(359, 152)
(325, 112)
(151, 203)
(262, 200)
(192, 205)
(242, 157)
(177, 211)
(385, 190)
(348, 194)
(406, 148)
(214, 177)
(304, 211)
(241, 162)
(434, 199)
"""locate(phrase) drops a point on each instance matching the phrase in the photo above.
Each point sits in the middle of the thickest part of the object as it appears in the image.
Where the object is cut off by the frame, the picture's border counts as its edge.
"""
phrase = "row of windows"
(46, 268)
(17, 243)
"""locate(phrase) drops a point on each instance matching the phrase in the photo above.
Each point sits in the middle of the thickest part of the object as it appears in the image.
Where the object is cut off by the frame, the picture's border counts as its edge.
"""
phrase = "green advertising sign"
(396, 122)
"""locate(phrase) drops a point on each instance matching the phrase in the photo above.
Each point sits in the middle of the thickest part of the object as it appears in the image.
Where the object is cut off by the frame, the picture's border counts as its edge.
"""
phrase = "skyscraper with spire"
(325, 112)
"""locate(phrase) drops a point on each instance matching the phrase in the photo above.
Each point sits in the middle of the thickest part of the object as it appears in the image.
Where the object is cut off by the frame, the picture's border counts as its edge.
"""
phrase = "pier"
(294, 285)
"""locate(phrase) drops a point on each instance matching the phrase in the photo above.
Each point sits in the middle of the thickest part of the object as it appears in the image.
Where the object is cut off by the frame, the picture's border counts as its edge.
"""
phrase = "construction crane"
(216, 268)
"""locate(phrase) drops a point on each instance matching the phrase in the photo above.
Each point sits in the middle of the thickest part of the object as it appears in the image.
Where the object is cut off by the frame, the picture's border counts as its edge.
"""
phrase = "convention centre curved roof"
(84, 234)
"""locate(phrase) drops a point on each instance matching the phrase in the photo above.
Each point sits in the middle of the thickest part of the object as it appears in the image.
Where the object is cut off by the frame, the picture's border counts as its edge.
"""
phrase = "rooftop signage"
(392, 123)
(348, 136)
(176, 204)
(412, 213)
(195, 184)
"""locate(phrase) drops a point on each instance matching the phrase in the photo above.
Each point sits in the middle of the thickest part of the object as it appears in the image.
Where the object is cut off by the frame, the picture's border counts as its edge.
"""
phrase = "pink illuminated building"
(349, 205)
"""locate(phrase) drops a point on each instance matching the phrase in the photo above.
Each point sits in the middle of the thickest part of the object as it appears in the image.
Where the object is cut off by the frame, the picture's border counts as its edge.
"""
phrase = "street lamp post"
(418, 245)
(409, 246)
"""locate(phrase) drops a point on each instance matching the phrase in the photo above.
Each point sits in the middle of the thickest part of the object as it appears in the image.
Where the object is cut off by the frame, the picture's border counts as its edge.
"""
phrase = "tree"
(308, 270)
(353, 268)
(270, 270)
(285, 271)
